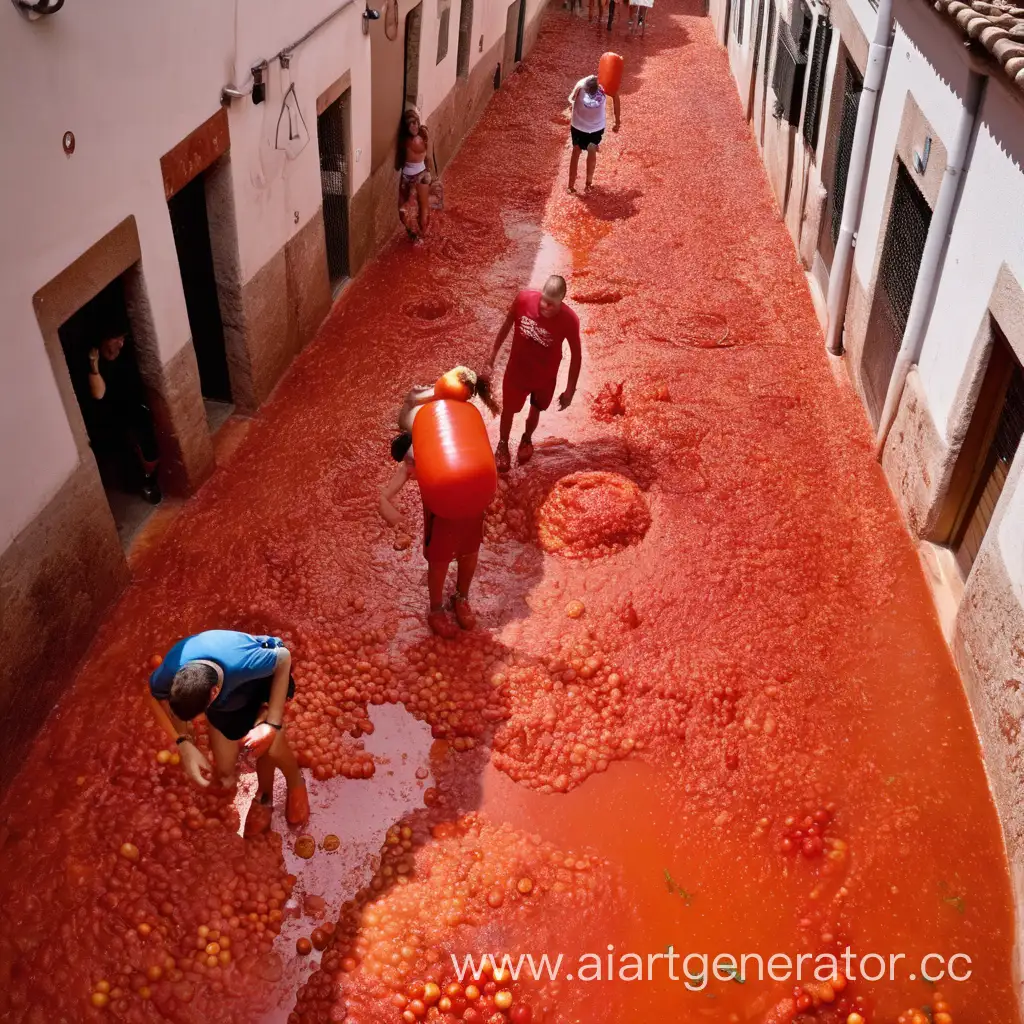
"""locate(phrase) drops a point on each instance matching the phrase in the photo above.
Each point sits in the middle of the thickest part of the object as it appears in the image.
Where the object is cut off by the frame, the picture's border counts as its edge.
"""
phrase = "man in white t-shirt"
(587, 126)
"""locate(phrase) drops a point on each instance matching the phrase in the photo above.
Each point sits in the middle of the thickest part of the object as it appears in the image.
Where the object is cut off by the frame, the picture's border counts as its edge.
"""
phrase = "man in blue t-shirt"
(240, 682)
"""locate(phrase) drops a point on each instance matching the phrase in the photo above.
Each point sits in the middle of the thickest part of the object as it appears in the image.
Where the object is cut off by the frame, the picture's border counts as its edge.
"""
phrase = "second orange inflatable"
(454, 462)
(609, 73)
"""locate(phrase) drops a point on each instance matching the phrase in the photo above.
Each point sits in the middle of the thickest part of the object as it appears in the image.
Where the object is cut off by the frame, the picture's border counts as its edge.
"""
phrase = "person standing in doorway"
(117, 417)
(240, 683)
(542, 322)
(413, 157)
(587, 125)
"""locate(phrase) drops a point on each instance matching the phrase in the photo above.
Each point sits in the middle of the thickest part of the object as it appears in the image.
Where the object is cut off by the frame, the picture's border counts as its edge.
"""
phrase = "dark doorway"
(413, 24)
(191, 228)
(332, 136)
(905, 235)
(521, 30)
(511, 38)
(103, 364)
(465, 38)
(988, 450)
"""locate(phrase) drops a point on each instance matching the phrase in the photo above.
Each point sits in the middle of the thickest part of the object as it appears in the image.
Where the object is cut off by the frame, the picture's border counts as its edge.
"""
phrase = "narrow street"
(716, 631)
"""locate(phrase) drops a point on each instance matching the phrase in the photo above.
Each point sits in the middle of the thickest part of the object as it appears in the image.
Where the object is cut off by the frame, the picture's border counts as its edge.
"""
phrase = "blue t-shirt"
(243, 658)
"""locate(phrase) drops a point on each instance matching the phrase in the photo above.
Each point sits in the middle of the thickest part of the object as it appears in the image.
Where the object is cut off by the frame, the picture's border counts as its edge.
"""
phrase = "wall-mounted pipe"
(933, 256)
(842, 263)
(230, 92)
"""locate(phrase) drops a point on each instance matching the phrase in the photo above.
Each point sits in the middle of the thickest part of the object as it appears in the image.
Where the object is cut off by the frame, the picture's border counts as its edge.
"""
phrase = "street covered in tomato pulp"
(707, 708)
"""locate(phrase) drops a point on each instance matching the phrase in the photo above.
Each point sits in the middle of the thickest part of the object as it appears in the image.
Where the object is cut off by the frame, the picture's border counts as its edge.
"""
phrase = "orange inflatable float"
(609, 73)
(454, 462)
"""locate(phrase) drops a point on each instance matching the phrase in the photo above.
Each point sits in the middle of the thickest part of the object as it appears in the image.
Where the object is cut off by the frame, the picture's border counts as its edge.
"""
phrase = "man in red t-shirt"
(542, 322)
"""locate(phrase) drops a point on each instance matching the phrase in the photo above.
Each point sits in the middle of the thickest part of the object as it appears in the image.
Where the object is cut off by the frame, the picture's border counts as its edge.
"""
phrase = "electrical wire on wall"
(292, 136)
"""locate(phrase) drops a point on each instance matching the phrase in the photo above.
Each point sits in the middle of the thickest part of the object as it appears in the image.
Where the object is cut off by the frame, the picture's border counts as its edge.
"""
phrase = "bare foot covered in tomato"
(297, 807)
(464, 613)
(502, 458)
(257, 820)
(439, 623)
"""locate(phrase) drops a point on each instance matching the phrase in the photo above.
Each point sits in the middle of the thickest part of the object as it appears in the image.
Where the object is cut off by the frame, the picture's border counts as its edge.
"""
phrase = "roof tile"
(997, 24)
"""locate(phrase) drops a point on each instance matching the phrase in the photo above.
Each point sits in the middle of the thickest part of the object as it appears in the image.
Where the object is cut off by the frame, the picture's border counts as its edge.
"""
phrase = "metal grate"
(758, 35)
(331, 134)
(905, 235)
(788, 79)
(852, 88)
(739, 12)
(1011, 423)
(816, 81)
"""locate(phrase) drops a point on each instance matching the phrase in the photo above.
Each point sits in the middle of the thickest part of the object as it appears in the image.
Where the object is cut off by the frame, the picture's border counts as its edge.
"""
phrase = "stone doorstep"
(945, 583)
(226, 439)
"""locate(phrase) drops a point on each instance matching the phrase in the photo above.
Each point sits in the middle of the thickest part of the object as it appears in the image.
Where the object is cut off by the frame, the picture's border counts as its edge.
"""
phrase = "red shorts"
(516, 388)
(447, 539)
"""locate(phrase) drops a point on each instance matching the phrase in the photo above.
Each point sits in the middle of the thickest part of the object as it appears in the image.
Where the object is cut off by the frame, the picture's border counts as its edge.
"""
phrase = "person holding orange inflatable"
(446, 538)
(588, 100)
(240, 683)
(540, 322)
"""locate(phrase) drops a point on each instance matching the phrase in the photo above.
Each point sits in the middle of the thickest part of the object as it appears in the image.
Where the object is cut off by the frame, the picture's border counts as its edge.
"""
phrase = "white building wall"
(275, 196)
(988, 231)
(132, 80)
(866, 15)
(101, 71)
(908, 71)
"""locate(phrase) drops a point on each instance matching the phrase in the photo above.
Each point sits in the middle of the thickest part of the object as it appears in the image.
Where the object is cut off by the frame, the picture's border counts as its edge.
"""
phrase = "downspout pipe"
(933, 256)
(842, 263)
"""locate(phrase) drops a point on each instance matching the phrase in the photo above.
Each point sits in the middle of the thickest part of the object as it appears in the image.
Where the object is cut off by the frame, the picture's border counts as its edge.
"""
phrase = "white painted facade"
(987, 232)
(131, 81)
(988, 228)
(909, 72)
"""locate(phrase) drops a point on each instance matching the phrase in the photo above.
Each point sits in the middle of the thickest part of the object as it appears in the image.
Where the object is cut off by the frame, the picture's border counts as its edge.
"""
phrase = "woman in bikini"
(412, 157)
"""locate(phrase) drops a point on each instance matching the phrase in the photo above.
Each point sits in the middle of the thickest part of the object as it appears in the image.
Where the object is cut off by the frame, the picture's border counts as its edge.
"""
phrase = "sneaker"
(502, 459)
(525, 452)
(257, 820)
(464, 614)
(296, 809)
(440, 624)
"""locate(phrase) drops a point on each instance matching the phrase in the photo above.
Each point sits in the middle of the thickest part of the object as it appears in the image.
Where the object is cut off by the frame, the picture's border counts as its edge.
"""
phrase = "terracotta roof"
(996, 25)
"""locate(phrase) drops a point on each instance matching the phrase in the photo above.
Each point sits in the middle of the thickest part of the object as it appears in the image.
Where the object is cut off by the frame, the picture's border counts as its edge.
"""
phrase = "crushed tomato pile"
(707, 706)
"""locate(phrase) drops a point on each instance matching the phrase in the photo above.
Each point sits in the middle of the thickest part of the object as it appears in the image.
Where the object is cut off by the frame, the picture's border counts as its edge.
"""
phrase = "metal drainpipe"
(842, 263)
(932, 258)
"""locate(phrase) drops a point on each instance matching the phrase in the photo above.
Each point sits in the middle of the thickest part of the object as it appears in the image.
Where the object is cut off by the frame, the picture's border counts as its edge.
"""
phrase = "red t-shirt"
(537, 340)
